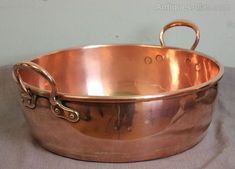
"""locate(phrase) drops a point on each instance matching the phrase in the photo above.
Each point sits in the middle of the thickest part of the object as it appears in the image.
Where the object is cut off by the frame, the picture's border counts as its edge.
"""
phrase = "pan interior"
(119, 70)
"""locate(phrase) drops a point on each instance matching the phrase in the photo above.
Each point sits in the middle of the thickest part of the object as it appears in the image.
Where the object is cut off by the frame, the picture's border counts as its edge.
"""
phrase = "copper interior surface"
(122, 70)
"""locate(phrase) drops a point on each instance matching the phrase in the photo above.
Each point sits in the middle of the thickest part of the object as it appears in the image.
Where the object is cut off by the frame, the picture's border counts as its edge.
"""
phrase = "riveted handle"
(29, 99)
(181, 23)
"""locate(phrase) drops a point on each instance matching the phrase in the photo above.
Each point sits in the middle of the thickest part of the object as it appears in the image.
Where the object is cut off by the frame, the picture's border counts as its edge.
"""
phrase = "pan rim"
(132, 98)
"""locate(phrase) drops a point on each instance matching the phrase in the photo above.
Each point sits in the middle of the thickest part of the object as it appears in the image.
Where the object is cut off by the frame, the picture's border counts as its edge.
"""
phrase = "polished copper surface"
(124, 71)
(120, 103)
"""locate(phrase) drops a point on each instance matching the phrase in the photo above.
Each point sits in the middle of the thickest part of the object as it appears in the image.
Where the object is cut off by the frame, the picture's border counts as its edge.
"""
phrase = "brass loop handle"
(56, 105)
(181, 23)
(39, 70)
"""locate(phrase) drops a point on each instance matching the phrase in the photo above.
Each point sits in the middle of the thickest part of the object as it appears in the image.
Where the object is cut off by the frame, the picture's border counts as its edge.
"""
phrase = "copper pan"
(119, 103)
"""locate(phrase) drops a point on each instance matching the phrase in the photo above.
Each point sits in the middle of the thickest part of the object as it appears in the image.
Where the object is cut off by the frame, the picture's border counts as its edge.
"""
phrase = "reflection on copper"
(93, 77)
(174, 70)
(197, 72)
(206, 71)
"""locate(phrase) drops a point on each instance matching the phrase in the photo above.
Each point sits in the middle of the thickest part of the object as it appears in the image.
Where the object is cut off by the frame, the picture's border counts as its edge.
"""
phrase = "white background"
(32, 27)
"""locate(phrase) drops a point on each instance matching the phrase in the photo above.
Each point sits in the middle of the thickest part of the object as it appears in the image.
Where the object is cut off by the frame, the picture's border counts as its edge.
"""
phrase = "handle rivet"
(159, 58)
(29, 101)
(72, 116)
(148, 60)
(198, 66)
(57, 110)
(188, 60)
